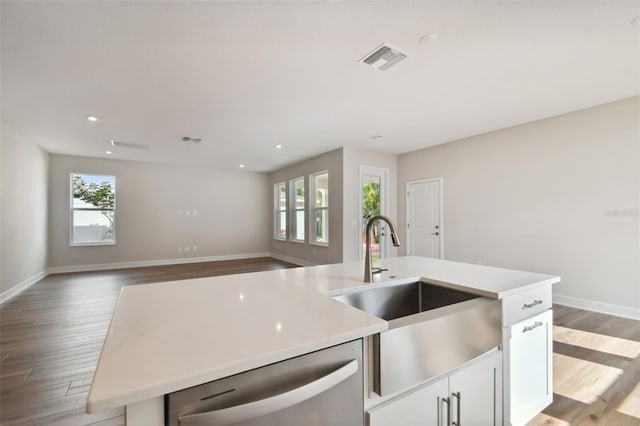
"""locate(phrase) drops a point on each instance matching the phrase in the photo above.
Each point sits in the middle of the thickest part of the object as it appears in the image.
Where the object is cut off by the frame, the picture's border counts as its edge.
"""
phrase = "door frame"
(440, 180)
(384, 203)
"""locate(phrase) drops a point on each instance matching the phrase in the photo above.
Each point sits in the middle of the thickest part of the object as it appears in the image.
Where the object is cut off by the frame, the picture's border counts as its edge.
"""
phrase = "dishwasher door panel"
(321, 388)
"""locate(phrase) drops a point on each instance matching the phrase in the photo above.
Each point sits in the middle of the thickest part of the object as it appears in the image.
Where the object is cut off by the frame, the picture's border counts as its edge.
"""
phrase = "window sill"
(112, 243)
(319, 244)
(297, 241)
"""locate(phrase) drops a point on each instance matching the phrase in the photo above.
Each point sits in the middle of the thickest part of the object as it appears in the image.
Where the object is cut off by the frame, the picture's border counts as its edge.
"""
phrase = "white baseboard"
(17, 289)
(292, 260)
(590, 305)
(159, 262)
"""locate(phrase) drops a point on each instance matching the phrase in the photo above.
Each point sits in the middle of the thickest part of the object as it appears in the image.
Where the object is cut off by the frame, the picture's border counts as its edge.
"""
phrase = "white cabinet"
(470, 396)
(528, 368)
(476, 394)
(422, 406)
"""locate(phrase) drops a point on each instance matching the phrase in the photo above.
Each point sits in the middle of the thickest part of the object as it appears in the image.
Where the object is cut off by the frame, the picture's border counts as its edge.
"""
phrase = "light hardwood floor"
(596, 370)
(51, 336)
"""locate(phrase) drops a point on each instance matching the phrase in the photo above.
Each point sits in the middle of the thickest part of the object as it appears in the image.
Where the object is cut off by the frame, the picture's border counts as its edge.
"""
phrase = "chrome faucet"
(368, 270)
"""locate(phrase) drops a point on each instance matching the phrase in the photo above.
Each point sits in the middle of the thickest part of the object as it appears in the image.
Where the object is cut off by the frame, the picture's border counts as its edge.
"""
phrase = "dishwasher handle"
(274, 403)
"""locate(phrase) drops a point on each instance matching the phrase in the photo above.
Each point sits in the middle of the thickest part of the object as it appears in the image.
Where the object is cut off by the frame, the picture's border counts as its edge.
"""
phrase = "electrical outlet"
(195, 248)
(179, 249)
(187, 248)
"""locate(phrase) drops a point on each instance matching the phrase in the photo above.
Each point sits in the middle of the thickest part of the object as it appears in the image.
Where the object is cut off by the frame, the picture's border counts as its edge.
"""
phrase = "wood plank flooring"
(596, 370)
(51, 336)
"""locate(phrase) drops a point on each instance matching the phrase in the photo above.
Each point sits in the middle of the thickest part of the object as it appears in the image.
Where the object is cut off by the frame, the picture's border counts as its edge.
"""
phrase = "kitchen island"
(169, 336)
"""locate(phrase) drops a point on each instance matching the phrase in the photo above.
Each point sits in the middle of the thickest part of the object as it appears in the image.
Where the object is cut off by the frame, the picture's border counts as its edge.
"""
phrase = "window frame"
(73, 209)
(295, 209)
(313, 209)
(278, 211)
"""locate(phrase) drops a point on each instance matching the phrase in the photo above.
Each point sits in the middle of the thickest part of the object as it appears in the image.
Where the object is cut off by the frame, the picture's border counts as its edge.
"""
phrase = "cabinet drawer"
(524, 305)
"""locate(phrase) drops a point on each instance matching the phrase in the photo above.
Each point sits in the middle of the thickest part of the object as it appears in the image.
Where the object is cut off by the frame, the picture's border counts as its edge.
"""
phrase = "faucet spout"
(368, 270)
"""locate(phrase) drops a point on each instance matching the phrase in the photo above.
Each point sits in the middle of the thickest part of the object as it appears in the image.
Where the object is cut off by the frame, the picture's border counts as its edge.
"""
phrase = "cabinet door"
(530, 367)
(476, 393)
(421, 407)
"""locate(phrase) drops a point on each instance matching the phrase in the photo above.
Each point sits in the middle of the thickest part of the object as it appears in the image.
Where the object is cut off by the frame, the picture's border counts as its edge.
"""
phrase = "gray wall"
(152, 201)
(23, 217)
(305, 252)
(560, 196)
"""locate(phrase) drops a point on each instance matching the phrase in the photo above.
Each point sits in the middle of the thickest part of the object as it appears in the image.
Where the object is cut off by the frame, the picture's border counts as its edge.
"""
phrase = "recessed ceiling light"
(92, 118)
(376, 137)
(108, 152)
(242, 166)
(428, 38)
(279, 146)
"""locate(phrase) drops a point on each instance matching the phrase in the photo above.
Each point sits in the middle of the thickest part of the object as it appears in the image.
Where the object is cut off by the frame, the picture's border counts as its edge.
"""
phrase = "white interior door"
(424, 218)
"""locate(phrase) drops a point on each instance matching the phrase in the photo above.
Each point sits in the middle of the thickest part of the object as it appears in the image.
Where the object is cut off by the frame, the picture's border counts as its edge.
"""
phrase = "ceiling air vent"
(383, 57)
(128, 145)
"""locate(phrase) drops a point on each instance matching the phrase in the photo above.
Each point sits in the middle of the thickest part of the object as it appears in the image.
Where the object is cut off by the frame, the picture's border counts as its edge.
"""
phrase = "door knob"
(436, 233)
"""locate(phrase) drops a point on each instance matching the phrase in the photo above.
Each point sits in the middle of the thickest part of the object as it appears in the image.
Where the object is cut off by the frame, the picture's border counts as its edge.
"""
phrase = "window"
(93, 210)
(320, 208)
(297, 209)
(280, 203)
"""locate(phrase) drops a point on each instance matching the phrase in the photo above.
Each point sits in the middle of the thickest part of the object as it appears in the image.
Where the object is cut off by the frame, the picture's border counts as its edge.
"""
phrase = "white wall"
(305, 253)
(152, 201)
(23, 205)
(559, 196)
(353, 159)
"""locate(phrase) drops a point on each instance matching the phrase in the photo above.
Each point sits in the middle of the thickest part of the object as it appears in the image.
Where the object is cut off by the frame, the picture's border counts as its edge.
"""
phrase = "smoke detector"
(383, 57)
(192, 140)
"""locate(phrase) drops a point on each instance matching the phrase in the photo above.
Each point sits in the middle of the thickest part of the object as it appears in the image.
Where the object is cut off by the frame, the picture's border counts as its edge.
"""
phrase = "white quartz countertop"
(169, 336)
(496, 283)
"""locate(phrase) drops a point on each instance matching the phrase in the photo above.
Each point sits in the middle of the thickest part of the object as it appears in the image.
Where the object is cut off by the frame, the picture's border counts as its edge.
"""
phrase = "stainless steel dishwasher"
(320, 388)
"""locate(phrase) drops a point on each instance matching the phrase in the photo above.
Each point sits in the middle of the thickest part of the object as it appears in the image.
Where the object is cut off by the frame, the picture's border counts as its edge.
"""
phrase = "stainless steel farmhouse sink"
(432, 330)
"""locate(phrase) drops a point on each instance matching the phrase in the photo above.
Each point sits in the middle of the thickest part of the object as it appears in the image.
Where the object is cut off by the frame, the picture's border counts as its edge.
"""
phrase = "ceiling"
(246, 76)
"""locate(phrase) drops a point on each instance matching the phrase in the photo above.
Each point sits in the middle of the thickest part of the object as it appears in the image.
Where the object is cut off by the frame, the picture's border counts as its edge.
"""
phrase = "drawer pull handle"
(531, 305)
(535, 325)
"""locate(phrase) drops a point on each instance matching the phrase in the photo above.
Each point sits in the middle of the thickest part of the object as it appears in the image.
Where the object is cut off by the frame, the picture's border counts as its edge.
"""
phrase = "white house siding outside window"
(280, 204)
(93, 209)
(297, 209)
(320, 208)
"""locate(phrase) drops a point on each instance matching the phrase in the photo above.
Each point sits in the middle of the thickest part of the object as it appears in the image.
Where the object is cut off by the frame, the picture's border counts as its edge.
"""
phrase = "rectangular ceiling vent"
(383, 57)
(131, 145)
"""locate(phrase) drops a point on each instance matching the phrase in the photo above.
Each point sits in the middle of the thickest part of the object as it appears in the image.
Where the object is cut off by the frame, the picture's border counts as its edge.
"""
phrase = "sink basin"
(432, 330)
(399, 301)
